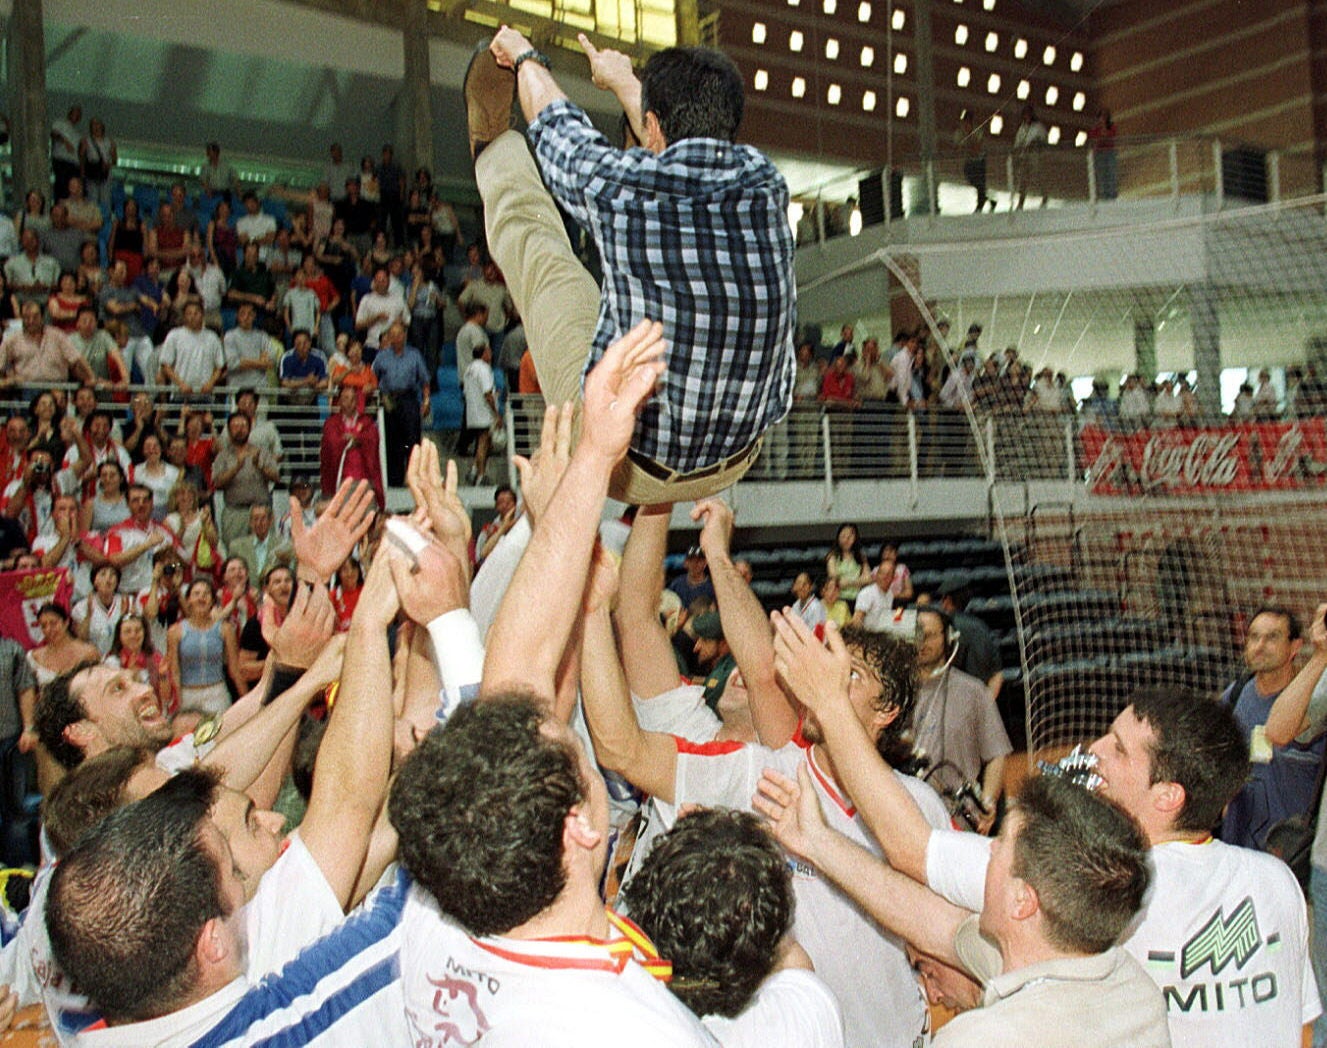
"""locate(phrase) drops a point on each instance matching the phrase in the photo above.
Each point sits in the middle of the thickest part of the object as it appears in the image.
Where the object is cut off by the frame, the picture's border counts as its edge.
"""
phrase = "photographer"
(163, 601)
(31, 498)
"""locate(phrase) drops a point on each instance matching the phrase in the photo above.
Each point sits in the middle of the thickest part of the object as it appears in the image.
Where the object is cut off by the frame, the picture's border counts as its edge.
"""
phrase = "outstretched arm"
(647, 653)
(535, 85)
(899, 905)
(551, 576)
(612, 71)
(745, 627)
(648, 760)
(1289, 713)
(819, 676)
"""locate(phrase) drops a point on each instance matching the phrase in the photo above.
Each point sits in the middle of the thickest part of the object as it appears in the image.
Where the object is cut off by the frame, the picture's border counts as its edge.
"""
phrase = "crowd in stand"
(512, 823)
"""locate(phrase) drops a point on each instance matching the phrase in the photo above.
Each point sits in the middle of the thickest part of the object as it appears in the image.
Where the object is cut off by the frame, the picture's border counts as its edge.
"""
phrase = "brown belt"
(653, 468)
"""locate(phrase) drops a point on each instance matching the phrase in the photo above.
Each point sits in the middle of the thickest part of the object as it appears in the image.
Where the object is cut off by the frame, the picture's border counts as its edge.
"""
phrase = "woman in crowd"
(43, 424)
(318, 219)
(60, 651)
(237, 602)
(417, 217)
(108, 505)
(345, 594)
(356, 374)
(202, 652)
(301, 239)
(97, 156)
(91, 274)
(901, 584)
(126, 242)
(180, 291)
(144, 421)
(847, 563)
(447, 227)
(163, 601)
(191, 521)
(132, 649)
(98, 615)
(201, 447)
(222, 240)
(368, 181)
(279, 584)
(380, 254)
(33, 215)
(64, 302)
(157, 474)
(338, 257)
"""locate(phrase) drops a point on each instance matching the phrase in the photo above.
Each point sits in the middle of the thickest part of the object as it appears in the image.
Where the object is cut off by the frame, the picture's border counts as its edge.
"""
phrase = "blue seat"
(277, 209)
(447, 355)
(117, 196)
(447, 404)
(148, 198)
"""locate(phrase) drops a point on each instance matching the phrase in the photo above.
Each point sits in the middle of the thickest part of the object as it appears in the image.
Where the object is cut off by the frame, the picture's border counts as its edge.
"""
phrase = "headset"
(952, 636)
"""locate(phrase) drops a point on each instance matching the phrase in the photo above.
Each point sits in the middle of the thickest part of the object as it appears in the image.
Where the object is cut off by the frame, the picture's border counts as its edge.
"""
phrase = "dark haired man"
(1218, 921)
(1067, 876)
(1284, 777)
(885, 1008)
(692, 230)
(715, 895)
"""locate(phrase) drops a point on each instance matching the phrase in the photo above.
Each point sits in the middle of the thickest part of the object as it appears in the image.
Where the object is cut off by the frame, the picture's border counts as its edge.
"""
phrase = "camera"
(170, 569)
(41, 468)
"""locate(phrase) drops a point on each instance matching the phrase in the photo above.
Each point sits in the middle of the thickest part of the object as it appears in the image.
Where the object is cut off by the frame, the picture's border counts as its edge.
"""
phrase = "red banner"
(1252, 456)
(22, 593)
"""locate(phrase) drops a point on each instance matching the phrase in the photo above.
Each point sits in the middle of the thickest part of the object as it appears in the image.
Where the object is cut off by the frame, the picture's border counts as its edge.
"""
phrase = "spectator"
(60, 650)
(244, 474)
(301, 308)
(339, 172)
(506, 512)
(65, 136)
(1266, 403)
(836, 608)
(262, 545)
(156, 474)
(84, 214)
(838, 387)
(223, 242)
(282, 258)
(30, 499)
(31, 275)
(128, 240)
(380, 309)
(217, 176)
(978, 654)
(98, 348)
(278, 586)
(108, 506)
(808, 606)
(301, 490)
(97, 616)
(1029, 145)
(248, 350)
(870, 377)
(202, 653)
(1105, 164)
(355, 373)
(425, 301)
(1167, 405)
(847, 563)
(162, 600)
(255, 226)
(404, 382)
(192, 359)
(350, 447)
(132, 649)
(200, 449)
(345, 595)
(210, 283)
(62, 241)
(237, 600)
(38, 354)
(873, 610)
(492, 291)
(900, 586)
(845, 345)
(168, 242)
(391, 189)
(252, 284)
(98, 155)
(190, 520)
(1135, 406)
(360, 217)
(481, 409)
(131, 545)
(63, 305)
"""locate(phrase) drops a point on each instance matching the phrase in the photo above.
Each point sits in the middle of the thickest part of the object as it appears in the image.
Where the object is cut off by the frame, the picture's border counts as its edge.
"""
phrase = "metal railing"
(1140, 167)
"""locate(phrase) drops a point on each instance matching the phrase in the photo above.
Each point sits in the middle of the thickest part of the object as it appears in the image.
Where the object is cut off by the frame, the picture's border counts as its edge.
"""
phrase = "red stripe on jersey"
(714, 748)
(828, 785)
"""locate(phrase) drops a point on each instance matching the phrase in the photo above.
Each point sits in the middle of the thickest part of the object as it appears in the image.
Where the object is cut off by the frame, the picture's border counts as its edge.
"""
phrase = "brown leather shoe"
(489, 92)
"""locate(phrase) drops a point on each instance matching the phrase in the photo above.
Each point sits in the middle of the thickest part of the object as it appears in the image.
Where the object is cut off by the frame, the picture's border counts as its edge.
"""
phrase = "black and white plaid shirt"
(697, 238)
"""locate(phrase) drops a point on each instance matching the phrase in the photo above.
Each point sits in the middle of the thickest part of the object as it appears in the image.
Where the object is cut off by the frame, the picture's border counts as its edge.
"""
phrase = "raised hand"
(437, 497)
(324, 547)
(793, 810)
(617, 387)
(541, 472)
(716, 533)
(508, 45)
(609, 69)
(817, 674)
(305, 630)
(601, 585)
(437, 583)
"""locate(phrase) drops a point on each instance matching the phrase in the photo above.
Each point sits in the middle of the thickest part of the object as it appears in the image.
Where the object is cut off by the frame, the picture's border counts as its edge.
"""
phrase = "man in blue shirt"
(303, 373)
(404, 382)
(692, 230)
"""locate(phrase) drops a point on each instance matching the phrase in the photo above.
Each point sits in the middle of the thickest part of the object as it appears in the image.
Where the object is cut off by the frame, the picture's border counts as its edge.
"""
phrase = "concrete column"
(1145, 348)
(416, 96)
(687, 13)
(1205, 323)
(925, 81)
(30, 128)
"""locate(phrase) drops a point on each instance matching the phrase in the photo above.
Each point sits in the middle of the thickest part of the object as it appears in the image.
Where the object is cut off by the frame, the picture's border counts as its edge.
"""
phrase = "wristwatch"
(532, 54)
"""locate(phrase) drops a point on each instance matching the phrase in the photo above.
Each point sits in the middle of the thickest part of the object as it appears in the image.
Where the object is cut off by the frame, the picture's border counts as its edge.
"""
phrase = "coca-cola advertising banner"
(1246, 457)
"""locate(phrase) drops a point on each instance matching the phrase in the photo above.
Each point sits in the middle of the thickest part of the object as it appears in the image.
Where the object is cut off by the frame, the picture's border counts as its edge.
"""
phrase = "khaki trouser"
(559, 301)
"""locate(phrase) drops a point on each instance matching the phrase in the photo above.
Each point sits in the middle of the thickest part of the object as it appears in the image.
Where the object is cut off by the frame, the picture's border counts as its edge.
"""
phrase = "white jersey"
(866, 968)
(792, 1009)
(560, 992)
(1222, 931)
(342, 990)
(683, 713)
(275, 931)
